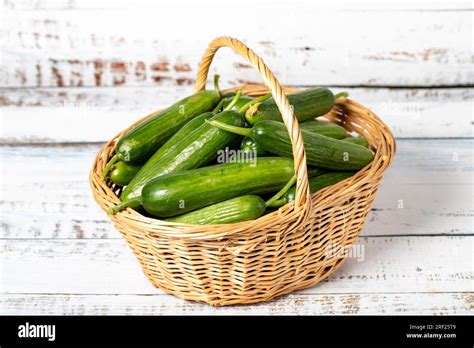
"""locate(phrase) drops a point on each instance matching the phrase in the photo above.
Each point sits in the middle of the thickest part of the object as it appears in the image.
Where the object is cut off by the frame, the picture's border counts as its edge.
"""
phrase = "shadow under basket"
(253, 261)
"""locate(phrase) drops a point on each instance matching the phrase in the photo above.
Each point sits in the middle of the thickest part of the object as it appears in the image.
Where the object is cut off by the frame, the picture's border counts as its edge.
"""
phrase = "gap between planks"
(96, 114)
(115, 46)
(293, 304)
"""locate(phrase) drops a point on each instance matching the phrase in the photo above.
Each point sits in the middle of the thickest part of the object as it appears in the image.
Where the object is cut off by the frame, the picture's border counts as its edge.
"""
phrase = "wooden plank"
(382, 265)
(428, 190)
(116, 45)
(97, 114)
(296, 304)
(371, 6)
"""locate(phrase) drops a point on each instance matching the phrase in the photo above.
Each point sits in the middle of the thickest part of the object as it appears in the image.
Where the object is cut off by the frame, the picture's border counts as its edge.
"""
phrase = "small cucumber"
(359, 140)
(325, 128)
(122, 172)
(321, 151)
(179, 193)
(307, 104)
(315, 184)
(197, 149)
(233, 210)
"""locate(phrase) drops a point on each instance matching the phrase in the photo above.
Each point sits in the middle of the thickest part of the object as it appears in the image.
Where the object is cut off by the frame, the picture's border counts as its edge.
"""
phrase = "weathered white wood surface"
(109, 44)
(59, 254)
(428, 190)
(75, 72)
(294, 304)
(96, 114)
(387, 265)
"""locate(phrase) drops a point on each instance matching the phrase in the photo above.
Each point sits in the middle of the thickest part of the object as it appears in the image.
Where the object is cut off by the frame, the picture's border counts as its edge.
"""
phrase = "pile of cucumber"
(215, 159)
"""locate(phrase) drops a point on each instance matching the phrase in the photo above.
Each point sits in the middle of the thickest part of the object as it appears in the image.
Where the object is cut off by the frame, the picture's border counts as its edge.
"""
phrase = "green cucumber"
(197, 149)
(359, 140)
(307, 104)
(179, 193)
(122, 172)
(141, 142)
(315, 184)
(328, 129)
(321, 151)
(233, 210)
(251, 146)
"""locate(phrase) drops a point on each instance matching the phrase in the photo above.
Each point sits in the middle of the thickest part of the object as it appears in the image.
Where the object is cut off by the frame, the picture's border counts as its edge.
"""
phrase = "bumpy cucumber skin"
(233, 210)
(180, 135)
(179, 193)
(328, 129)
(250, 145)
(359, 140)
(321, 151)
(122, 172)
(307, 104)
(199, 148)
(139, 144)
(318, 183)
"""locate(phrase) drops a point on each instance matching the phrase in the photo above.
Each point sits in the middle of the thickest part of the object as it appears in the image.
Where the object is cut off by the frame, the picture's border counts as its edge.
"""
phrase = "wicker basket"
(276, 254)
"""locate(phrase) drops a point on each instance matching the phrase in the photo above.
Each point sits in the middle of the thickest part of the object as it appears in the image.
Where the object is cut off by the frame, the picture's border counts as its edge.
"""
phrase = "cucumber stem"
(109, 166)
(246, 132)
(341, 95)
(129, 203)
(276, 204)
(261, 99)
(280, 193)
(216, 84)
(233, 101)
(218, 107)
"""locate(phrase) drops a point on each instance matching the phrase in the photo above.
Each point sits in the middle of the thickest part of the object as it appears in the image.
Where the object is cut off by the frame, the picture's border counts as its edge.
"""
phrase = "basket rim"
(106, 197)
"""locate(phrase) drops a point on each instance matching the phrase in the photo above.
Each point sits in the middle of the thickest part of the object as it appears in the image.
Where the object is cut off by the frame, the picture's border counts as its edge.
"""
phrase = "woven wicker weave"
(290, 249)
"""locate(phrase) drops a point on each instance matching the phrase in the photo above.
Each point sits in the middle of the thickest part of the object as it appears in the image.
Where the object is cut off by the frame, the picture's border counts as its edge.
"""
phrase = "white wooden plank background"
(109, 267)
(111, 45)
(443, 112)
(296, 304)
(72, 74)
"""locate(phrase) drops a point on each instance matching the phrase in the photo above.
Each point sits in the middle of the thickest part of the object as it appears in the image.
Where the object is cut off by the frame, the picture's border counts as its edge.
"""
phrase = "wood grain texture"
(428, 190)
(109, 267)
(160, 44)
(295, 304)
(96, 114)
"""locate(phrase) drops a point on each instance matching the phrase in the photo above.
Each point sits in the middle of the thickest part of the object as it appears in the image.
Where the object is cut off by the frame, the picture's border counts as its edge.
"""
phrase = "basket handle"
(302, 188)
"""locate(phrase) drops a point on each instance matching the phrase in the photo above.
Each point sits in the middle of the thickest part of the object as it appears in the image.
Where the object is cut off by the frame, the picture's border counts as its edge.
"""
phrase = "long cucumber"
(179, 193)
(307, 105)
(321, 151)
(122, 173)
(359, 140)
(198, 149)
(141, 142)
(237, 209)
(328, 129)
